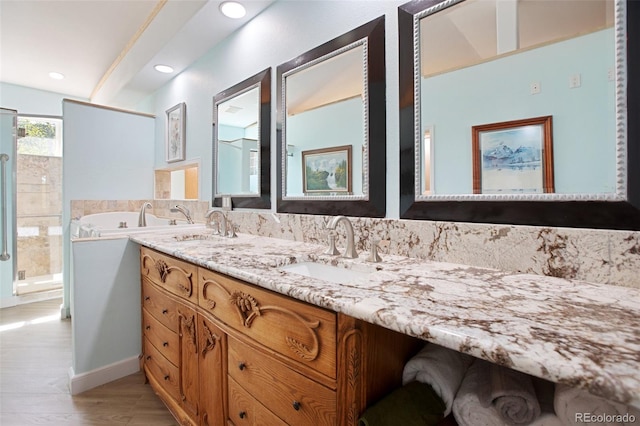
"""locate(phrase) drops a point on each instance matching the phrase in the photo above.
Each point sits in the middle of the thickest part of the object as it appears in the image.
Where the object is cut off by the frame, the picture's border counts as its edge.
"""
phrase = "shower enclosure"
(30, 205)
(38, 204)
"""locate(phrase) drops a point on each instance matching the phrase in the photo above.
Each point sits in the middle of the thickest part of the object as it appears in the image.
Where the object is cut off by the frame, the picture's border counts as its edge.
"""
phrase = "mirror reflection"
(332, 126)
(325, 139)
(241, 143)
(238, 160)
(487, 67)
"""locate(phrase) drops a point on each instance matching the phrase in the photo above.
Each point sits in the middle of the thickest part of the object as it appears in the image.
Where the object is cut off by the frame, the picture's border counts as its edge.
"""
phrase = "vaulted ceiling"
(106, 49)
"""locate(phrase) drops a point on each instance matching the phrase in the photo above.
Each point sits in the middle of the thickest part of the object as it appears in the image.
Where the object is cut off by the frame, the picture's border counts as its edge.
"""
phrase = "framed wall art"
(176, 133)
(327, 170)
(513, 157)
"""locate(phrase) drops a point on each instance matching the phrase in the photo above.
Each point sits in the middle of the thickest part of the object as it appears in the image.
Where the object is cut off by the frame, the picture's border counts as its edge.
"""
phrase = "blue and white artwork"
(511, 160)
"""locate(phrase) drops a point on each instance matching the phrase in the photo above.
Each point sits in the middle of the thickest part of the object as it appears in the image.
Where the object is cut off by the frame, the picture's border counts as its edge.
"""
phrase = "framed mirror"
(332, 127)
(506, 120)
(241, 143)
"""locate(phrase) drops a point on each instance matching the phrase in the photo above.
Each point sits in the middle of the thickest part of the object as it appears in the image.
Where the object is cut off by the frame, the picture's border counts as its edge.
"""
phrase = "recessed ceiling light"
(232, 9)
(56, 75)
(164, 68)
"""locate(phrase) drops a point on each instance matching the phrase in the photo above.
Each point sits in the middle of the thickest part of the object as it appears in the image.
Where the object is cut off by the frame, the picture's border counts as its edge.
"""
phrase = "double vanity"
(252, 327)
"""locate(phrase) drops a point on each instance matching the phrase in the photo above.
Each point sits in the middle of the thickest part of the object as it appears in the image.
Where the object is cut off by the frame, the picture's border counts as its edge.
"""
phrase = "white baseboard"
(79, 383)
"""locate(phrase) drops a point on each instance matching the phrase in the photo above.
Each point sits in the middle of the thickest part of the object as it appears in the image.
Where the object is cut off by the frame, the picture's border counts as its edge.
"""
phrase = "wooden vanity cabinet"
(212, 367)
(169, 320)
(250, 356)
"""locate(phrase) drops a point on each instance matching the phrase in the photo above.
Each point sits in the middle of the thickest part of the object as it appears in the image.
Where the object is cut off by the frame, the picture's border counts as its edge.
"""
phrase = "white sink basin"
(321, 271)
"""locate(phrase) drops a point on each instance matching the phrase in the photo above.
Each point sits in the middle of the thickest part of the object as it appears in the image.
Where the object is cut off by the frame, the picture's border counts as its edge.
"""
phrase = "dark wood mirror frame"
(623, 215)
(375, 206)
(263, 201)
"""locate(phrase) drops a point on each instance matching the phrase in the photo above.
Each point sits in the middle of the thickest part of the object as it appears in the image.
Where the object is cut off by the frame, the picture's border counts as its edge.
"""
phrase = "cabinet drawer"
(176, 276)
(293, 397)
(162, 370)
(245, 410)
(297, 330)
(164, 340)
(163, 308)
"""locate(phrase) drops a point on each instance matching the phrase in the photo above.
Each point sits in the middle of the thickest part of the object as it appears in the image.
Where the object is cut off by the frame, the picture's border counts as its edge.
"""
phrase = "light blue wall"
(497, 91)
(106, 303)
(332, 125)
(31, 101)
(107, 155)
(234, 159)
(283, 31)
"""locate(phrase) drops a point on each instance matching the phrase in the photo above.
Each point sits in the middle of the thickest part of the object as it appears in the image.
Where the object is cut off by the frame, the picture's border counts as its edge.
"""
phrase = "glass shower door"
(39, 204)
(8, 121)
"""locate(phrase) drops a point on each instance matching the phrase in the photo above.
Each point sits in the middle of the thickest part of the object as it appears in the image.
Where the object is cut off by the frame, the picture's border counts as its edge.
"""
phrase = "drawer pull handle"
(296, 405)
(147, 298)
(165, 311)
(242, 366)
(242, 414)
(148, 357)
(165, 344)
(148, 327)
(166, 377)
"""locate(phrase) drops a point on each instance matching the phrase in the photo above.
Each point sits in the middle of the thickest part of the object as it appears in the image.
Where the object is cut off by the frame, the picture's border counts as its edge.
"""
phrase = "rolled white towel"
(574, 405)
(470, 408)
(443, 369)
(512, 394)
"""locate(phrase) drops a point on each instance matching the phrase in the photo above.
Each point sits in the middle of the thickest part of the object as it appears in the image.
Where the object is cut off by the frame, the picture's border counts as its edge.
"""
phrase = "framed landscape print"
(176, 133)
(513, 157)
(327, 170)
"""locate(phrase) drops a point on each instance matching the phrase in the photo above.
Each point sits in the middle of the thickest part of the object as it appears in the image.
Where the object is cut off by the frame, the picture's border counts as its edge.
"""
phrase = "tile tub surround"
(161, 208)
(574, 332)
(599, 256)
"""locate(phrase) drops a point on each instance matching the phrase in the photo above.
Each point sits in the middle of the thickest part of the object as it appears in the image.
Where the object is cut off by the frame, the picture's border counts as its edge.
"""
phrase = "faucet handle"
(373, 253)
(231, 229)
(332, 250)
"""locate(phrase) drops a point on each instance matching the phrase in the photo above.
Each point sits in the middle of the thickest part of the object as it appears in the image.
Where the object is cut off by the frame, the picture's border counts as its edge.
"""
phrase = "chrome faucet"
(350, 251)
(185, 211)
(222, 224)
(142, 219)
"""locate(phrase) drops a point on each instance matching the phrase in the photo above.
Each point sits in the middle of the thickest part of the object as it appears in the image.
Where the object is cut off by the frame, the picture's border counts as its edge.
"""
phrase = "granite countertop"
(574, 332)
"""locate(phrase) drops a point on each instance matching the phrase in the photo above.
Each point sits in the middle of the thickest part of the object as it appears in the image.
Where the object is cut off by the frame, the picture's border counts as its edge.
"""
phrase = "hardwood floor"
(35, 356)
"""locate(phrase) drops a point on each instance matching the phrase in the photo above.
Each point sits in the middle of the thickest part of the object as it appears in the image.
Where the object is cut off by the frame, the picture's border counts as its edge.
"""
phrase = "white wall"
(283, 31)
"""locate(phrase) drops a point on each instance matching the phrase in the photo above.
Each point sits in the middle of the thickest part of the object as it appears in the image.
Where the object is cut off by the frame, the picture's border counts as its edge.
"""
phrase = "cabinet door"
(188, 364)
(212, 364)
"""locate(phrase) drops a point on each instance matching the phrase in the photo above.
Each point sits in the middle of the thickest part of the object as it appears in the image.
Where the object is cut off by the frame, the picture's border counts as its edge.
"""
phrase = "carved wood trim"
(164, 270)
(210, 340)
(249, 309)
(351, 365)
(188, 343)
(188, 328)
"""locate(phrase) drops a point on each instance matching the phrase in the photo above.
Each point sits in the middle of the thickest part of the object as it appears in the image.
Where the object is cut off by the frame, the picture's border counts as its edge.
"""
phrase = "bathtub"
(122, 223)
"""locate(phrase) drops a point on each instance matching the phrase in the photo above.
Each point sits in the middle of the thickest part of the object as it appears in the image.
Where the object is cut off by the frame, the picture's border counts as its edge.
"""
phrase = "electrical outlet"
(575, 81)
(535, 87)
